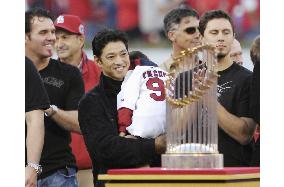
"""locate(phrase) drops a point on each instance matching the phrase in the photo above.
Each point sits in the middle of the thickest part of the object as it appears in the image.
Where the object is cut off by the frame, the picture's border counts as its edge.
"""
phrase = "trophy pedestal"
(192, 160)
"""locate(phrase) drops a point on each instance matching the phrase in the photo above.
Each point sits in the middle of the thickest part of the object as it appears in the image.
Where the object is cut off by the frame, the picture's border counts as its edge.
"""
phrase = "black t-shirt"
(65, 88)
(35, 94)
(233, 93)
(255, 93)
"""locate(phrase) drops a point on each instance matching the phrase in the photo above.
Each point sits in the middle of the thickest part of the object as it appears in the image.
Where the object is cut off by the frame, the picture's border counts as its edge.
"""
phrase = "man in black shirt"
(36, 101)
(98, 112)
(255, 96)
(236, 127)
(65, 87)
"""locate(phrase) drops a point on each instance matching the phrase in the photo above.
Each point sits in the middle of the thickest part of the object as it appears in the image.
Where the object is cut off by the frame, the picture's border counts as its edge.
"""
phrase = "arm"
(34, 143)
(124, 119)
(102, 140)
(239, 128)
(36, 100)
(65, 119)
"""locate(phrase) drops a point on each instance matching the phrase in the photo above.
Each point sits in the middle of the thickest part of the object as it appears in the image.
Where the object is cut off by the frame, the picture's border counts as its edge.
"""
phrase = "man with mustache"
(70, 39)
(236, 127)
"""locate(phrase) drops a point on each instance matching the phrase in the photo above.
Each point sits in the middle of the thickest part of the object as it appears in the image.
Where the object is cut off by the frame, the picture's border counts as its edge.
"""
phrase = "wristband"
(54, 109)
(36, 167)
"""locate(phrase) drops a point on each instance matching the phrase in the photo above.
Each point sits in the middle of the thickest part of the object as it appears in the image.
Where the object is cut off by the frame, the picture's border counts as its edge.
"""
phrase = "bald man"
(236, 53)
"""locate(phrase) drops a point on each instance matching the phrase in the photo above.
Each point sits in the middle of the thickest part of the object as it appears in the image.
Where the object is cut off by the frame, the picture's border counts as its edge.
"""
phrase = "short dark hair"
(105, 36)
(137, 58)
(175, 16)
(136, 55)
(35, 12)
(213, 14)
(255, 50)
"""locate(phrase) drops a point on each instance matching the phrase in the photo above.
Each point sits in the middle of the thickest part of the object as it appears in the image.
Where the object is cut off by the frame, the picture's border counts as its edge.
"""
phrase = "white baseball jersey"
(143, 91)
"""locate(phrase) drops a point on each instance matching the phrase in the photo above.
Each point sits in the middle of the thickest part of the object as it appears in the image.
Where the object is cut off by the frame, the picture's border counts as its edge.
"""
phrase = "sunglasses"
(191, 30)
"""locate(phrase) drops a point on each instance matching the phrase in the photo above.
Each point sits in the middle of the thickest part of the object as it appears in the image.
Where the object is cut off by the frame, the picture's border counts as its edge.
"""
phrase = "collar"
(82, 66)
(110, 85)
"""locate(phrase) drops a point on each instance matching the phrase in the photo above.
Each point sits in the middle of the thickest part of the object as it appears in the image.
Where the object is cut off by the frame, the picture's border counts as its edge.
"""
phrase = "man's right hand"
(31, 177)
(160, 144)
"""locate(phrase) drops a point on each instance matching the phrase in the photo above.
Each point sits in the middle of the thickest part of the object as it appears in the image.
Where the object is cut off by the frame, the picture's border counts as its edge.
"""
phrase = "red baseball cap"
(70, 23)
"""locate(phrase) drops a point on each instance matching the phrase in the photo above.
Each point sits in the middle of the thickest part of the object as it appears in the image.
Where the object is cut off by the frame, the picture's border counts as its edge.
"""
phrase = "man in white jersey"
(141, 102)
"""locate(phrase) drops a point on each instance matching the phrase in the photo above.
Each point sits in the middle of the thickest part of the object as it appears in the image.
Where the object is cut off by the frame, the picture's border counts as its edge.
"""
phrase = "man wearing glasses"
(181, 28)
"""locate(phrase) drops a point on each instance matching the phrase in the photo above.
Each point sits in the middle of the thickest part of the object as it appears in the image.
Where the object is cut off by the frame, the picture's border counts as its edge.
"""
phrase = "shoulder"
(238, 73)
(90, 99)
(29, 66)
(63, 66)
(141, 68)
(66, 70)
(158, 69)
(242, 70)
(92, 94)
(242, 75)
(28, 62)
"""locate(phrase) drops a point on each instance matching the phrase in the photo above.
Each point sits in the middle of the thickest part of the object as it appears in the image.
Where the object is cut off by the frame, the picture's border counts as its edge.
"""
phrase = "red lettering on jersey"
(159, 88)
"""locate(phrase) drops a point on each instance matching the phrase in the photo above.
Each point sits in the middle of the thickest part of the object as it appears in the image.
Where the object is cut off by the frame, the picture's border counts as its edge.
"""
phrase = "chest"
(228, 91)
(56, 85)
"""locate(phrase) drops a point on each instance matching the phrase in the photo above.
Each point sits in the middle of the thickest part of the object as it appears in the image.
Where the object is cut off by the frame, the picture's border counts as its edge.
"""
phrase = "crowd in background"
(142, 19)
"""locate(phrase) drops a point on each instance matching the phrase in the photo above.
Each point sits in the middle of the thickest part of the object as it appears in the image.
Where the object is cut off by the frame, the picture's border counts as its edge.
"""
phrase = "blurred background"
(143, 20)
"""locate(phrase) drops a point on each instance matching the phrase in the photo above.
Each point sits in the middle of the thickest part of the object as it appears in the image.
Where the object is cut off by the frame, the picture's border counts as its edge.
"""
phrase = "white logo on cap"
(81, 29)
(60, 19)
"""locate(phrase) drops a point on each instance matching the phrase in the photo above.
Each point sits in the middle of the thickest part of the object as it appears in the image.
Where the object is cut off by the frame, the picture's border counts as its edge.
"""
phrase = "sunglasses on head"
(191, 30)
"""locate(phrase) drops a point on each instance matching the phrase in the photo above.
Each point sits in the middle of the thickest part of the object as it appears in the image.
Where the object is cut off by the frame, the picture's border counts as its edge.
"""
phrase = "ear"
(171, 36)
(98, 61)
(82, 41)
(27, 38)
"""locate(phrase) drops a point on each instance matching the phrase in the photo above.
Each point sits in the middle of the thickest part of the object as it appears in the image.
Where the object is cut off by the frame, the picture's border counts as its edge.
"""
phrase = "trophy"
(191, 117)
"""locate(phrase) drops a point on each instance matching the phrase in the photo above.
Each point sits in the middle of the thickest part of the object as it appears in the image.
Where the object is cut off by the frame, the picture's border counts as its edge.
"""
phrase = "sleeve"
(130, 90)
(75, 91)
(244, 98)
(35, 93)
(124, 119)
(104, 144)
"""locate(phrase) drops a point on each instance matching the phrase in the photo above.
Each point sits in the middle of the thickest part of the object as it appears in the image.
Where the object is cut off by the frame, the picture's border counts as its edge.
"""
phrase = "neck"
(111, 84)
(176, 50)
(74, 59)
(224, 63)
(40, 63)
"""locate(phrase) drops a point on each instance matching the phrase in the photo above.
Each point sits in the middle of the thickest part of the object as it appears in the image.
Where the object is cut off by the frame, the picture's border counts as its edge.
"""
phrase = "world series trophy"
(191, 118)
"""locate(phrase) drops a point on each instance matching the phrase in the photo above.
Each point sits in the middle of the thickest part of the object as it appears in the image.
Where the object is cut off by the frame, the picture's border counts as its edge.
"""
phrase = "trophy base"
(192, 160)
